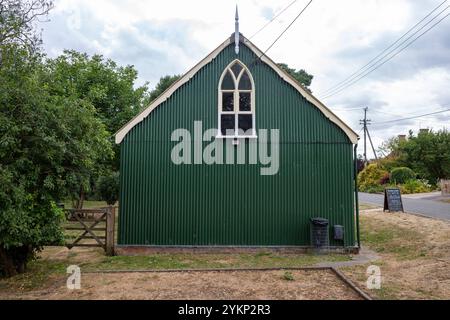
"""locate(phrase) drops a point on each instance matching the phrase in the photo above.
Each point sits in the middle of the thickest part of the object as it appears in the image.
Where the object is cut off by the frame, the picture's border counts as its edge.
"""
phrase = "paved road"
(426, 206)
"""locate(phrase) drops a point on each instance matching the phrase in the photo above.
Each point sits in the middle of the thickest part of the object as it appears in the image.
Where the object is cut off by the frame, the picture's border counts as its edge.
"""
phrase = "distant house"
(175, 196)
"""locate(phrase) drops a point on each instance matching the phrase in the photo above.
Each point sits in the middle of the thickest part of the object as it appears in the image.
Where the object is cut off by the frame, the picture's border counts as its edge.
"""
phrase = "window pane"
(228, 82)
(227, 123)
(237, 68)
(245, 100)
(245, 83)
(227, 101)
(245, 122)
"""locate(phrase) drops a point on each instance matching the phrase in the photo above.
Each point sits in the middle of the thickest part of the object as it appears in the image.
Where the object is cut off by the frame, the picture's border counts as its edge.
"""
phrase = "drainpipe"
(357, 197)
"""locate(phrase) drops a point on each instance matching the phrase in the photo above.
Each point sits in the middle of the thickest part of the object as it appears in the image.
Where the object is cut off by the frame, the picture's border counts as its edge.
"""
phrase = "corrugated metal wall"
(165, 204)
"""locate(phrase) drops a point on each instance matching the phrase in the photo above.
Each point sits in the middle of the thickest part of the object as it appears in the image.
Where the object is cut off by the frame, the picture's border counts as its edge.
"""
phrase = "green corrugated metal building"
(167, 203)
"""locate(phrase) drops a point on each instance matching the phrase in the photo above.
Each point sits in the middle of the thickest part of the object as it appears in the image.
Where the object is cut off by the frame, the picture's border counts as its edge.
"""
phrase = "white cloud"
(331, 40)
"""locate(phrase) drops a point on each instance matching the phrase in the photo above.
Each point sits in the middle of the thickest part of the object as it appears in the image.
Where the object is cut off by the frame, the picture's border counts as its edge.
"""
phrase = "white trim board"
(120, 135)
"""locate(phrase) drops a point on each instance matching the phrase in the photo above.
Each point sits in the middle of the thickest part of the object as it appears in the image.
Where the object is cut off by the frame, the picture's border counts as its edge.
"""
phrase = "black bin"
(320, 233)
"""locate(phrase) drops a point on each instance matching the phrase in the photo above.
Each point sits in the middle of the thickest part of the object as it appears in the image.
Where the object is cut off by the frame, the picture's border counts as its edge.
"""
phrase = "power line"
(274, 18)
(391, 114)
(380, 63)
(376, 67)
(345, 109)
(375, 58)
(288, 27)
(412, 118)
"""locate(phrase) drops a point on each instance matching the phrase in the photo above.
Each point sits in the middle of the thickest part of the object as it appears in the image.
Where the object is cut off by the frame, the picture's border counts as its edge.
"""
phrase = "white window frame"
(236, 111)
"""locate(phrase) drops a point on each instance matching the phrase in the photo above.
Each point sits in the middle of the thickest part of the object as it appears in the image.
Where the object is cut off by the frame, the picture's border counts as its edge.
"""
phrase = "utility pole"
(365, 123)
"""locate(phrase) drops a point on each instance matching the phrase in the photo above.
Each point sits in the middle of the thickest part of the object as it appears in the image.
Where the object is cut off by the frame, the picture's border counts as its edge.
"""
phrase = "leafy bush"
(428, 154)
(108, 188)
(386, 179)
(415, 186)
(47, 143)
(369, 179)
(389, 163)
(402, 175)
(26, 226)
(375, 189)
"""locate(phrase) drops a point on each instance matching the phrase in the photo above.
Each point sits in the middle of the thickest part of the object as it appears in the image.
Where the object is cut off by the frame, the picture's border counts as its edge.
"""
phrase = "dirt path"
(306, 285)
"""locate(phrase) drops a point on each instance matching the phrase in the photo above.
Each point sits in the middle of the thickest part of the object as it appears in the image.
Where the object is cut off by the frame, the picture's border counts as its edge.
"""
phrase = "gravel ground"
(306, 285)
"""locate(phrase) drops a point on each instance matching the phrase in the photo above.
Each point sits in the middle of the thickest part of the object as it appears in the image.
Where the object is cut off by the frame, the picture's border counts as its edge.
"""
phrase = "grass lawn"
(363, 206)
(87, 204)
(414, 256)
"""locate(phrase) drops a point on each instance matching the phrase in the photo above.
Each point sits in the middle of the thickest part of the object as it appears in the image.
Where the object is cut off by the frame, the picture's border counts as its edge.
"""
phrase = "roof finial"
(236, 33)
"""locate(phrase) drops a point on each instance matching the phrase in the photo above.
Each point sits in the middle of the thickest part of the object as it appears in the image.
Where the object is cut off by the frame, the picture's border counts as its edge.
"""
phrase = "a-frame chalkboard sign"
(393, 200)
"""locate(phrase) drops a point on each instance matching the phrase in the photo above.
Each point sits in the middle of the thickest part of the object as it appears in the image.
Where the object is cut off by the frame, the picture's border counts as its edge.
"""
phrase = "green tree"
(163, 84)
(51, 144)
(108, 188)
(390, 149)
(29, 218)
(427, 153)
(302, 77)
(50, 147)
(109, 88)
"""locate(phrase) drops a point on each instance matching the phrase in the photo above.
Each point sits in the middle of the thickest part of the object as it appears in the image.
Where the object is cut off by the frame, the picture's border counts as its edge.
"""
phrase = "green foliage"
(415, 186)
(369, 179)
(209, 261)
(108, 188)
(163, 84)
(389, 148)
(51, 146)
(428, 154)
(389, 163)
(57, 122)
(401, 175)
(102, 83)
(288, 276)
(374, 189)
(301, 75)
(107, 88)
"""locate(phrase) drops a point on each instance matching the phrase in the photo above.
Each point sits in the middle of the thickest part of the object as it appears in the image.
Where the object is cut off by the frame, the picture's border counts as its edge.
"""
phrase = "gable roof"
(120, 135)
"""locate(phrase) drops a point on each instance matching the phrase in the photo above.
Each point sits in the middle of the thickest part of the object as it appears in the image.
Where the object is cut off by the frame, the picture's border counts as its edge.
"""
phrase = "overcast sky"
(331, 40)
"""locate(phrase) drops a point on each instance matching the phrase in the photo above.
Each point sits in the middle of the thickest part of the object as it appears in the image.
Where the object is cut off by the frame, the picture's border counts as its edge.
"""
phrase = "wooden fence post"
(110, 224)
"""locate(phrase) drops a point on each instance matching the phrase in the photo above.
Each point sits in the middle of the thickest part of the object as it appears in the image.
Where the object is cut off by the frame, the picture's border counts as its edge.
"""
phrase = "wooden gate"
(96, 226)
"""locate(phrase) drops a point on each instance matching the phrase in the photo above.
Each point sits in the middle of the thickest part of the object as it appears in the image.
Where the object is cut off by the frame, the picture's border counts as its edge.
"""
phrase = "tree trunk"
(14, 260)
(80, 201)
(7, 266)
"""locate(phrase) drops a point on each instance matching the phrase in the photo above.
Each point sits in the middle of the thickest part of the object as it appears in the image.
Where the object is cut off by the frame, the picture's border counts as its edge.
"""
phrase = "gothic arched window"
(237, 102)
